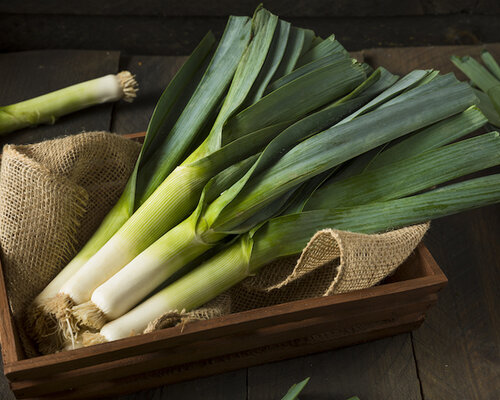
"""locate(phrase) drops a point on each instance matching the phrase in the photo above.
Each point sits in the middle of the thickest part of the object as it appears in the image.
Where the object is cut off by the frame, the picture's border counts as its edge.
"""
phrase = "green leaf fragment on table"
(487, 107)
(295, 390)
(491, 63)
(481, 77)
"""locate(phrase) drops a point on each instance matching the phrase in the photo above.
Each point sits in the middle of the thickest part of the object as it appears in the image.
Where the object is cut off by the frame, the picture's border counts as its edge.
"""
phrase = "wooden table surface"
(455, 354)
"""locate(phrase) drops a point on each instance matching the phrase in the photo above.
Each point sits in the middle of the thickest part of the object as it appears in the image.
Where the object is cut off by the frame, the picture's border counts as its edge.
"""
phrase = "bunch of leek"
(218, 100)
(274, 180)
(236, 156)
(486, 81)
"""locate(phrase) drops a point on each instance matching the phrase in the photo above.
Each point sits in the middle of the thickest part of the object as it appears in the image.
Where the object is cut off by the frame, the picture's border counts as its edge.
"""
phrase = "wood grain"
(156, 35)
(285, 8)
(382, 370)
(341, 304)
(307, 345)
(360, 322)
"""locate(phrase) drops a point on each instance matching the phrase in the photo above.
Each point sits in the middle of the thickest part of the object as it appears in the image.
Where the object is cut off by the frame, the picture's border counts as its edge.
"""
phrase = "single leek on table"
(46, 109)
(487, 80)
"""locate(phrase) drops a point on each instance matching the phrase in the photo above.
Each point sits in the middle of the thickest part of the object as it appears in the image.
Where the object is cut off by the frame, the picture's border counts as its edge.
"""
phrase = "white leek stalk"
(47, 108)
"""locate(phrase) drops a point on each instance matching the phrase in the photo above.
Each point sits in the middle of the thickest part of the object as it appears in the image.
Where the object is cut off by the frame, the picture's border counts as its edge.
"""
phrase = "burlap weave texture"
(53, 195)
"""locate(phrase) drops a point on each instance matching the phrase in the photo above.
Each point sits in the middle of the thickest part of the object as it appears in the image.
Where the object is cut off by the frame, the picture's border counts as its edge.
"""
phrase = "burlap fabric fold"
(53, 196)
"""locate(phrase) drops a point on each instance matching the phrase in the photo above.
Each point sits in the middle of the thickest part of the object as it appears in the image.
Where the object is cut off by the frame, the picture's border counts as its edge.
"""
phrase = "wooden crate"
(226, 343)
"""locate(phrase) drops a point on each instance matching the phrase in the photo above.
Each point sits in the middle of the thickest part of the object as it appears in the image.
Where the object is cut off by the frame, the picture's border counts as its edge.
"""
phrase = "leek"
(295, 390)
(46, 109)
(481, 77)
(177, 195)
(491, 63)
(287, 235)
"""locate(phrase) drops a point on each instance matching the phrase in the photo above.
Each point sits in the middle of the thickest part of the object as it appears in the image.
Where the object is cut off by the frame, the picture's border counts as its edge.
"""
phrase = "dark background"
(156, 27)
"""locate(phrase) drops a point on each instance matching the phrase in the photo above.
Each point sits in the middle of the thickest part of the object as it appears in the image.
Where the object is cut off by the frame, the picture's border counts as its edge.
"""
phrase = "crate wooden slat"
(207, 347)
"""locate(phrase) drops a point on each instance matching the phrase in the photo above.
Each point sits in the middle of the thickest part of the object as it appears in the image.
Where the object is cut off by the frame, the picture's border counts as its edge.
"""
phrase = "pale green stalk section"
(408, 176)
(47, 108)
(164, 257)
(288, 235)
(210, 282)
(491, 63)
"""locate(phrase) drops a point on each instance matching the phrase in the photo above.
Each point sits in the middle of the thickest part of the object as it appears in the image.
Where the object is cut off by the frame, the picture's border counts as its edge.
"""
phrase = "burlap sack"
(53, 196)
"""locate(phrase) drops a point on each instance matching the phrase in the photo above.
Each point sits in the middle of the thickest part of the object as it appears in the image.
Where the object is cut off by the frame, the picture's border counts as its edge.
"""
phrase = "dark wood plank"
(302, 8)
(28, 74)
(363, 322)
(285, 8)
(403, 60)
(11, 350)
(231, 385)
(311, 344)
(458, 349)
(5, 392)
(381, 370)
(153, 73)
(179, 35)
